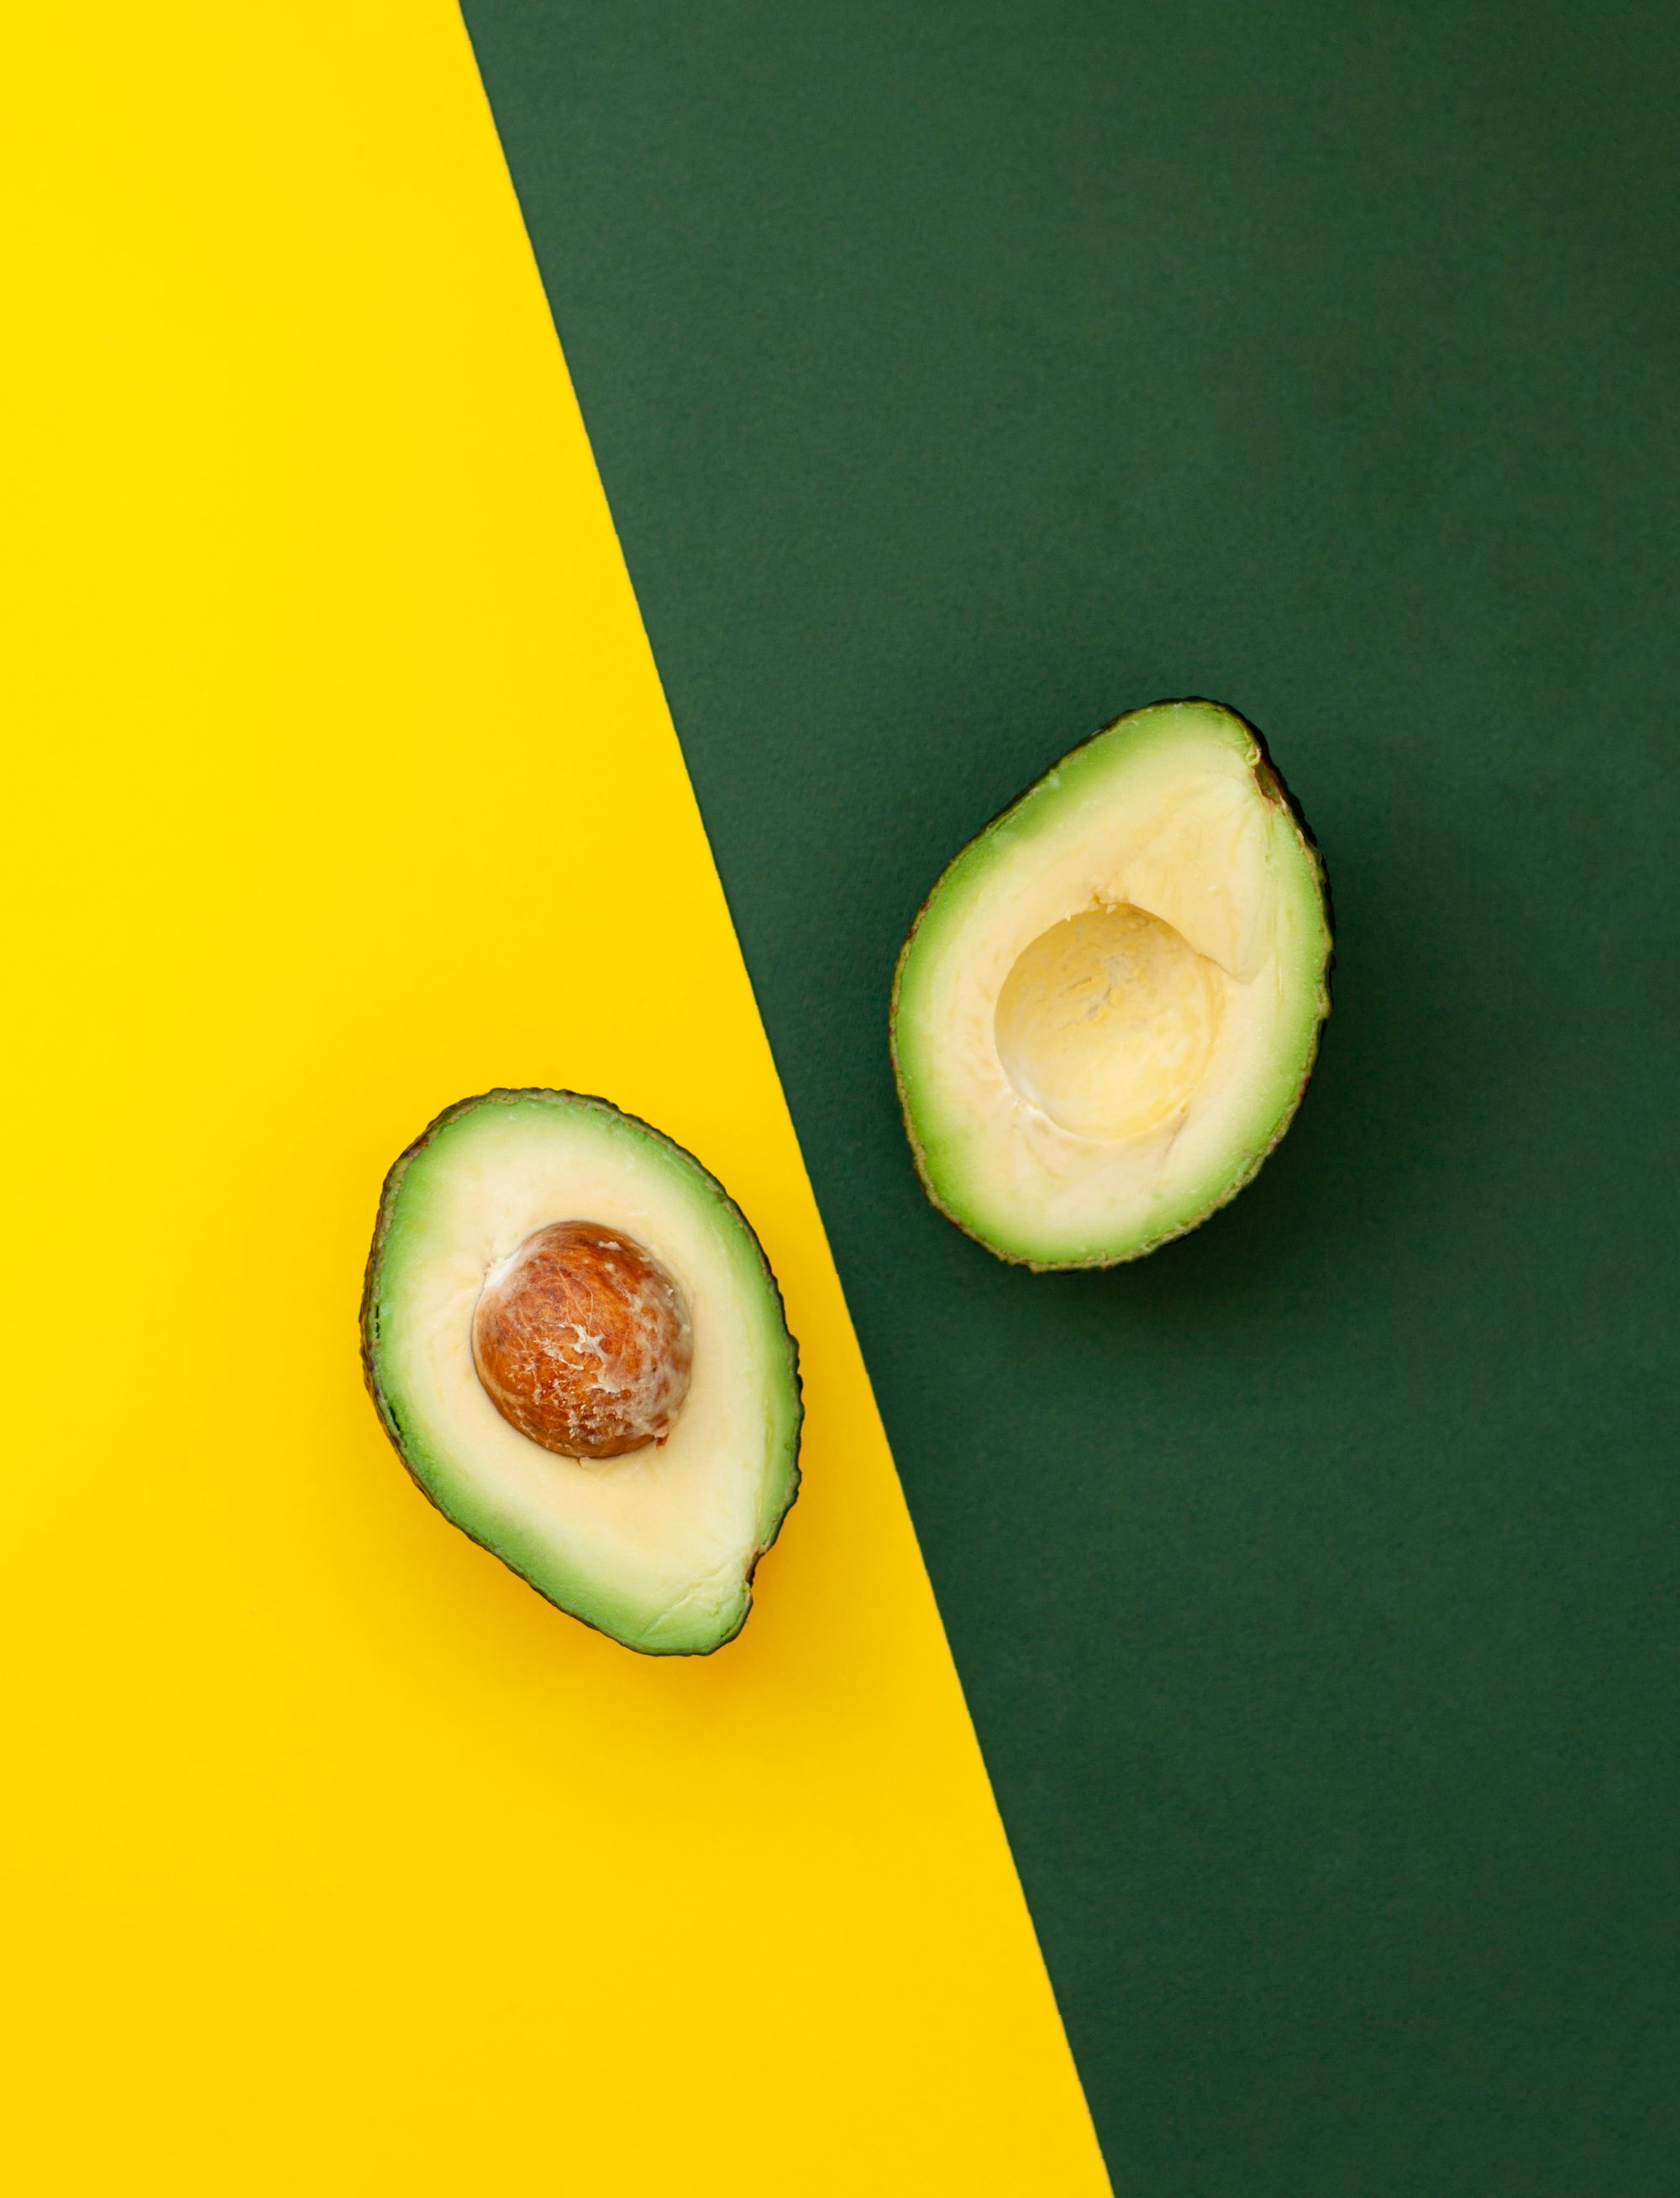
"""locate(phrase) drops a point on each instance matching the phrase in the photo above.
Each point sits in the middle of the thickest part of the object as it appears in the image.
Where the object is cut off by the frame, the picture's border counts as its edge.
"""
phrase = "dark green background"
(961, 375)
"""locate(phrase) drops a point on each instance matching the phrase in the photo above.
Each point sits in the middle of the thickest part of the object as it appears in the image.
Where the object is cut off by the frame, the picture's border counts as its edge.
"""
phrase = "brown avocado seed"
(582, 1341)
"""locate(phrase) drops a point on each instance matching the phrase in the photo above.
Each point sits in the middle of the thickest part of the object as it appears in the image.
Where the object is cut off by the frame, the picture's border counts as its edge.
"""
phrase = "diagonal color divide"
(960, 376)
(341, 1863)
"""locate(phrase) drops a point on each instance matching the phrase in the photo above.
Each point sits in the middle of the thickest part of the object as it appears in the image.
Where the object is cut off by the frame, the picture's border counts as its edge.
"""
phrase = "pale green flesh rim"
(448, 1482)
(937, 1134)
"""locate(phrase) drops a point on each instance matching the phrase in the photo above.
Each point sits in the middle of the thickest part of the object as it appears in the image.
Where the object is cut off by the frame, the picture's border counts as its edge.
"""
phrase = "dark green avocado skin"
(368, 1328)
(1271, 783)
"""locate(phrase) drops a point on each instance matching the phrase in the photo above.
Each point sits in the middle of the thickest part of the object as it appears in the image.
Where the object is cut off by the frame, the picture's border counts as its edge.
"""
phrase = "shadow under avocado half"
(1427, 1076)
(575, 1342)
(1107, 1010)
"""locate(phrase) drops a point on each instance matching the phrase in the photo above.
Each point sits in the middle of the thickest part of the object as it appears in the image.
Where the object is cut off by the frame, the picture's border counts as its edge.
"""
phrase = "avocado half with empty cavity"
(1107, 1010)
(576, 1344)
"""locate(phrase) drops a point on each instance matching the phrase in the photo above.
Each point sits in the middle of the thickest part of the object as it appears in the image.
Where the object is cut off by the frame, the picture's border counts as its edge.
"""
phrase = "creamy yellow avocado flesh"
(1107, 1012)
(655, 1547)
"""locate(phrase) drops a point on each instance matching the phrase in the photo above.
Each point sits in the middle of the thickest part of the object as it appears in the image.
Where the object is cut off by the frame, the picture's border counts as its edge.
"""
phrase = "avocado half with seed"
(576, 1344)
(1106, 1014)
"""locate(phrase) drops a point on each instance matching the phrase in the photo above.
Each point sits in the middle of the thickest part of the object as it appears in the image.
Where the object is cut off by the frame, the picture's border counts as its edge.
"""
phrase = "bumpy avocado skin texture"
(371, 1341)
(1270, 781)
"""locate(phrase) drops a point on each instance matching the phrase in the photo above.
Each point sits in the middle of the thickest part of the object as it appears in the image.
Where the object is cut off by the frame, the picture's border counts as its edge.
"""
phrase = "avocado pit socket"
(1107, 1022)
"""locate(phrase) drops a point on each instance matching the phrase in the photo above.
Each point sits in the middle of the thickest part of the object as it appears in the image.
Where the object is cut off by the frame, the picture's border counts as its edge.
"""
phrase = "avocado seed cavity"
(583, 1342)
(1106, 1022)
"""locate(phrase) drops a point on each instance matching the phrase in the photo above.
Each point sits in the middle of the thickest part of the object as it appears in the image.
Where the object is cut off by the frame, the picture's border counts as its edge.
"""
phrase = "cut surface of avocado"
(653, 1537)
(1107, 1010)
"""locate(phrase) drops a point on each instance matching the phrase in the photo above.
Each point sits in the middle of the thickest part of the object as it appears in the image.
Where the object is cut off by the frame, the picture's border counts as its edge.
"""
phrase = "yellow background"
(344, 786)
